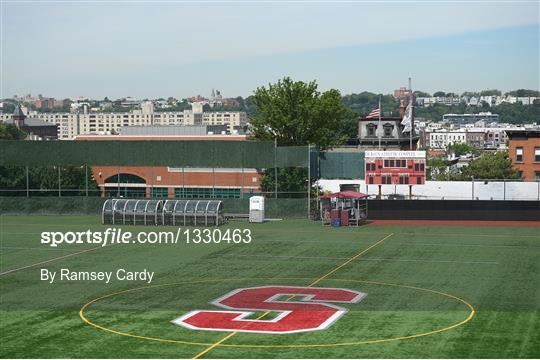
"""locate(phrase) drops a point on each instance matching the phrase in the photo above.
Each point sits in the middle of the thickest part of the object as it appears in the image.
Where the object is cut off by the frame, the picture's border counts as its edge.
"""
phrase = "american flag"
(374, 114)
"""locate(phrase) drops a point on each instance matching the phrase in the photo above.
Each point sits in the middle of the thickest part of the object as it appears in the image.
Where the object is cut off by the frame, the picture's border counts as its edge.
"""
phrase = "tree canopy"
(296, 113)
(489, 166)
(11, 132)
(490, 92)
(463, 149)
(524, 92)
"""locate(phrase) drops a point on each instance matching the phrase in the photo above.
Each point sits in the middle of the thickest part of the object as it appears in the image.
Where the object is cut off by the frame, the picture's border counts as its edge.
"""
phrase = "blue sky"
(163, 48)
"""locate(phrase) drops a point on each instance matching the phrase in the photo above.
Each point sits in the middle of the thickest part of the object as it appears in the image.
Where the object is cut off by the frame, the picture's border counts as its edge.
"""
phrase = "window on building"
(388, 129)
(537, 175)
(371, 179)
(404, 179)
(206, 193)
(160, 192)
(386, 163)
(386, 179)
(419, 180)
(537, 154)
(519, 154)
(392, 163)
(371, 129)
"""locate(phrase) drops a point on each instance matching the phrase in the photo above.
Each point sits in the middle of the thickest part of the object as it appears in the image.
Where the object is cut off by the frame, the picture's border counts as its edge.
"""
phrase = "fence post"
(275, 167)
(309, 182)
(27, 183)
(59, 184)
(86, 178)
(242, 191)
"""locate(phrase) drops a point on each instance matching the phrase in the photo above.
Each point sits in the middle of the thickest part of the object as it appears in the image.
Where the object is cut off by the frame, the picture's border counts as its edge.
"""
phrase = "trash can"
(336, 222)
(344, 218)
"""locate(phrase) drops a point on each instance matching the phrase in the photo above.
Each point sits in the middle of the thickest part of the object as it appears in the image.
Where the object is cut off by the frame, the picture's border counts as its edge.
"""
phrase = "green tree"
(524, 92)
(419, 93)
(489, 166)
(11, 132)
(463, 149)
(292, 182)
(491, 92)
(296, 113)
(44, 179)
(364, 102)
(437, 168)
(439, 94)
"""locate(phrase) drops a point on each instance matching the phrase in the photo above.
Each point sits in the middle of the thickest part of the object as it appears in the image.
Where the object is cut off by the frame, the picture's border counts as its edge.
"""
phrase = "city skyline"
(185, 49)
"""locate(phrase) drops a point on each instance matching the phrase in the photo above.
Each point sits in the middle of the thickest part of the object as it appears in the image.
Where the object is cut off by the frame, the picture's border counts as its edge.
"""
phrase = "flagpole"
(379, 127)
(411, 99)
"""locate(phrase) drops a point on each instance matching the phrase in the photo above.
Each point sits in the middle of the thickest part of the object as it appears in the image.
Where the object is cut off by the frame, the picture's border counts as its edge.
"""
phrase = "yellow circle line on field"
(361, 342)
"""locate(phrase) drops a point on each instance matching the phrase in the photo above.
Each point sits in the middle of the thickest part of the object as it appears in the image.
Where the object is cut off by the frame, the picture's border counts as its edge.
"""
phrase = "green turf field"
(419, 282)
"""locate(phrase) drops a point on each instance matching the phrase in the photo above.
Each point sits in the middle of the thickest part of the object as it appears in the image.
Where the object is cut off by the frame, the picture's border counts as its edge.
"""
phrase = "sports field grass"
(419, 282)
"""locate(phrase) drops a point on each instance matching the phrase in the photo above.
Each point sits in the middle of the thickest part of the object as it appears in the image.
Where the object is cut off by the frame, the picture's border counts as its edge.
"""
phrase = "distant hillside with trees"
(362, 103)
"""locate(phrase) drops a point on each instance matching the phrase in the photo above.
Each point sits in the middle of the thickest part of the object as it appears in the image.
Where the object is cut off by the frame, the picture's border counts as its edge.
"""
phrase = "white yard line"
(50, 260)
(32, 248)
(433, 261)
(290, 257)
(469, 245)
(364, 259)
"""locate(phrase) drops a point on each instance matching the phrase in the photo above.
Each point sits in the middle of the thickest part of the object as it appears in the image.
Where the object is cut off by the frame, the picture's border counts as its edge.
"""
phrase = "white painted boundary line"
(363, 259)
(31, 248)
(51, 260)
(470, 245)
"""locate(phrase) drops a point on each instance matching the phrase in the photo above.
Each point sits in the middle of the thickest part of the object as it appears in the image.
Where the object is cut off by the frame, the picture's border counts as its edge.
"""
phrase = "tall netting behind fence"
(194, 169)
(292, 156)
(194, 153)
(341, 165)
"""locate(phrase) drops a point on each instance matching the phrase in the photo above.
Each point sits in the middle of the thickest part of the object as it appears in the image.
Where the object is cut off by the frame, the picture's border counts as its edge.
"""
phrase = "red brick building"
(524, 150)
(174, 182)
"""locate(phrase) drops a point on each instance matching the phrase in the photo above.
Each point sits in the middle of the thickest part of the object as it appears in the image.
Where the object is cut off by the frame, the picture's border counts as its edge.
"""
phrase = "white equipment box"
(256, 209)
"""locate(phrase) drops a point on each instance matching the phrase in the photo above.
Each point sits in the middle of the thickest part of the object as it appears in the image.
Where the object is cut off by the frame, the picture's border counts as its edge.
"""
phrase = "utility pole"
(27, 183)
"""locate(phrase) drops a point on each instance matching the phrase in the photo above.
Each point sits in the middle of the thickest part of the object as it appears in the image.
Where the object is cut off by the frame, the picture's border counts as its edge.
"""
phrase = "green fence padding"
(341, 165)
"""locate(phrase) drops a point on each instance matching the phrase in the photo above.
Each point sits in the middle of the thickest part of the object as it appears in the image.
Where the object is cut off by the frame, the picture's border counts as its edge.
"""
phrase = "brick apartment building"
(524, 150)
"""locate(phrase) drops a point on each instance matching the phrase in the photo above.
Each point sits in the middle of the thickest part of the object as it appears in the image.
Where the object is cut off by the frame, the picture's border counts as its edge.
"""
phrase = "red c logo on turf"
(311, 313)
